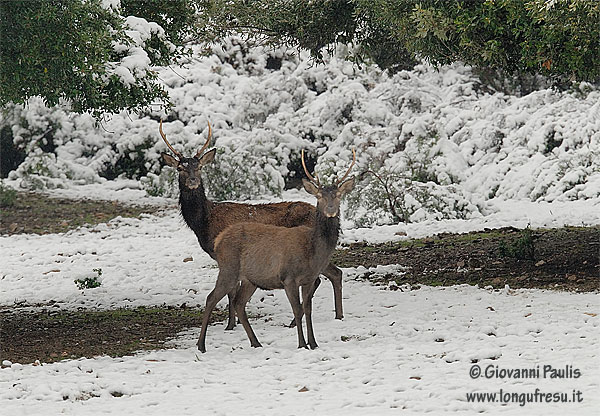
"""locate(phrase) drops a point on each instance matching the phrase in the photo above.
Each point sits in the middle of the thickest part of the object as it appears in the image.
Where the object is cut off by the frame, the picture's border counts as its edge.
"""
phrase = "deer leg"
(231, 320)
(307, 295)
(316, 285)
(291, 290)
(334, 274)
(243, 295)
(218, 293)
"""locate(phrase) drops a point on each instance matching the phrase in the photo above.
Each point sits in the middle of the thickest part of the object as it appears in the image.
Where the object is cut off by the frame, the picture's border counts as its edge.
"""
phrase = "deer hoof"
(313, 345)
(230, 327)
(201, 348)
(256, 345)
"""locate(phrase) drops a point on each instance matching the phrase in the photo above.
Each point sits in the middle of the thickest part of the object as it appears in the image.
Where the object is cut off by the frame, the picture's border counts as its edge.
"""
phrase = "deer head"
(329, 196)
(188, 167)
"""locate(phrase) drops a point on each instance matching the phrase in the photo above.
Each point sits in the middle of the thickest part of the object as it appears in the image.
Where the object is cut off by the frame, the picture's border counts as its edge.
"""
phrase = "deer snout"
(331, 211)
(192, 183)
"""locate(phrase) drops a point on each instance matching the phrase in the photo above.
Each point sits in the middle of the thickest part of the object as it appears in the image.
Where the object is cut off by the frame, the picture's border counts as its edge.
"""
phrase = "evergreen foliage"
(98, 55)
(96, 58)
(557, 38)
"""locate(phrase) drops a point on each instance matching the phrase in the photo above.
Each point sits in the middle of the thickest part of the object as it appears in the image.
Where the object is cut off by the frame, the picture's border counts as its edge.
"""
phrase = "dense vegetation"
(98, 56)
(91, 55)
(558, 38)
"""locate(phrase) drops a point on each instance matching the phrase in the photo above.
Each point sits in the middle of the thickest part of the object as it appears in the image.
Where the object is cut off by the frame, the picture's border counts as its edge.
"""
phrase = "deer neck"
(325, 234)
(195, 210)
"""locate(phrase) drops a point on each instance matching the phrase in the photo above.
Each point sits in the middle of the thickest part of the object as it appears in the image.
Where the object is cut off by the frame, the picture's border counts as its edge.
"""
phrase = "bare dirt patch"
(54, 335)
(565, 259)
(35, 213)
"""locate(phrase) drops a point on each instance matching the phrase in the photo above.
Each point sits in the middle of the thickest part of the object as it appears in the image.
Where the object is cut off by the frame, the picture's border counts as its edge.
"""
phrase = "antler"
(313, 180)
(167, 142)
(348, 171)
(207, 140)
(175, 151)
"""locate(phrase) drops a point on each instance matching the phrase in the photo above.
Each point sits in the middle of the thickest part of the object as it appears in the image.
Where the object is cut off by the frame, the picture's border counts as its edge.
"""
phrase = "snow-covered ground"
(404, 351)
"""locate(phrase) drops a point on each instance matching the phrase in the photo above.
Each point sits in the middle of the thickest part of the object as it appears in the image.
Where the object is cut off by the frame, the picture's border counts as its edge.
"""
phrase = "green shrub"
(8, 196)
(90, 282)
(523, 248)
(240, 174)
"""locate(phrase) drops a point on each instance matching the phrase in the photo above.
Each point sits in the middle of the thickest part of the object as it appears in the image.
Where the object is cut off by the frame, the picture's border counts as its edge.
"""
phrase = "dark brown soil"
(563, 259)
(54, 335)
(36, 213)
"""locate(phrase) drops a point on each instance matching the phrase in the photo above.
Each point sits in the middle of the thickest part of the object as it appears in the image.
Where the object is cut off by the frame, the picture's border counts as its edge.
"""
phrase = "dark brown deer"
(207, 218)
(252, 255)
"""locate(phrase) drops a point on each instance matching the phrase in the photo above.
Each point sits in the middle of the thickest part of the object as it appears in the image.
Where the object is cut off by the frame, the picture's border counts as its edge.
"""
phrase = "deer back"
(283, 214)
(264, 253)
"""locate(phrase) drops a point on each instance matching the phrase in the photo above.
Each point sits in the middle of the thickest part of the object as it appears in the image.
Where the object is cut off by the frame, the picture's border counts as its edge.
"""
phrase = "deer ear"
(207, 157)
(310, 187)
(346, 187)
(170, 160)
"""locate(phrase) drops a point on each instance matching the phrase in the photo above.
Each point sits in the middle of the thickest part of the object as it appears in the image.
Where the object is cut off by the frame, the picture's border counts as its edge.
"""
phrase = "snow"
(114, 4)
(519, 214)
(407, 350)
(135, 63)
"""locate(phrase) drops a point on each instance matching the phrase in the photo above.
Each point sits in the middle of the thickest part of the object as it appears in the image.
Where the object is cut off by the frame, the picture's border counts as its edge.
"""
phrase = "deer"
(252, 255)
(207, 218)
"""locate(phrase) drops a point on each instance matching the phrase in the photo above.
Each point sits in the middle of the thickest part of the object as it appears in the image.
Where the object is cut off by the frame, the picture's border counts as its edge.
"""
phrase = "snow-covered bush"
(63, 147)
(162, 184)
(409, 187)
(445, 144)
(385, 197)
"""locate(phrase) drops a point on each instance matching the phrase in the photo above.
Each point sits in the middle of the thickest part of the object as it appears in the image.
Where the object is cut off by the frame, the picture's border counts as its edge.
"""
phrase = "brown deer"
(252, 255)
(207, 218)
